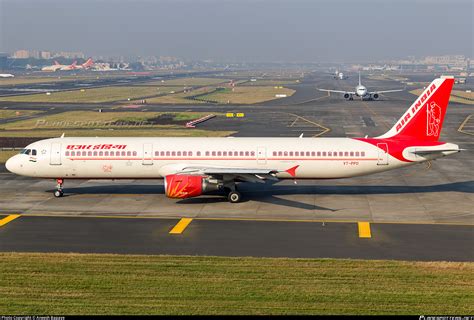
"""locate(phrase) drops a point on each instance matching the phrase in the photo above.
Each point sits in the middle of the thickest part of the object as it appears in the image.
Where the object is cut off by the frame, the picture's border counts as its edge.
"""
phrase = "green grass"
(109, 124)
(6, 113)
(246, 94)
(97, 95)
(39, 283)
(180, 98)
(96, 120)
(162, 131)
(188, 82)
(43, 79)
(265, 82)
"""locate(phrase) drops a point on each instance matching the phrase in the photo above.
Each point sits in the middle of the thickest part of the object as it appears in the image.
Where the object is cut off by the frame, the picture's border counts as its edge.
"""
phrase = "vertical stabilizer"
(424, 119)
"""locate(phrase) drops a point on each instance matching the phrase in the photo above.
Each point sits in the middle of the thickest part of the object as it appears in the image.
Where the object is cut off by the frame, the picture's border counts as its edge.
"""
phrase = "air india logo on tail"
(433, 119)
(415, 108)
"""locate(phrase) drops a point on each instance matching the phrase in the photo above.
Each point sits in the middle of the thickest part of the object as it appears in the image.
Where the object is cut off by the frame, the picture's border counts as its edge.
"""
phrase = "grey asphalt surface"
(420, 203)
(238, 238)
(96, 80)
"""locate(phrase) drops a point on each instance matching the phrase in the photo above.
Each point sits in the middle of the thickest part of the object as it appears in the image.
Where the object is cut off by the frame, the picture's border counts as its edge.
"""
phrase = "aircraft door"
(147, 154)
(261, 155)
(55, 156)
(382, 154)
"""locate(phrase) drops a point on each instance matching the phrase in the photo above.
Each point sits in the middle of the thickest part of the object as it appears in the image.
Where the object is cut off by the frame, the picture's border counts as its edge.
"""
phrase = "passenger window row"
(208, 153)
(205, 153)
(318, 153)
(101, 153)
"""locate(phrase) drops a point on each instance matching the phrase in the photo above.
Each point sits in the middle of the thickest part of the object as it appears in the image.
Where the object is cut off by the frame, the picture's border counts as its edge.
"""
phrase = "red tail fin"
(88, 63)
(424, 119)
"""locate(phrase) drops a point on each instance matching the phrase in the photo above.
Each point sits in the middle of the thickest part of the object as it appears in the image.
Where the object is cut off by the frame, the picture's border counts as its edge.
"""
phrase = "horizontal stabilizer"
(421, 152)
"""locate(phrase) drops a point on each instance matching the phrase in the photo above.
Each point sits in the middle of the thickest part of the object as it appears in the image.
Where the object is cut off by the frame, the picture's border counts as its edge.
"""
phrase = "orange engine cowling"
(183, 186)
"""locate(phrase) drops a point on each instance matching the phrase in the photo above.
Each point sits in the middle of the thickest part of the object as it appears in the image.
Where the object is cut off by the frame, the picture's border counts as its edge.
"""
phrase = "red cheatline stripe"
(268, 159)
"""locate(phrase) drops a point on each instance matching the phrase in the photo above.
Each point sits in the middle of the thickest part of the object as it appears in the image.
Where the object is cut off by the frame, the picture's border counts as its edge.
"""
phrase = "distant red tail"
(88, 63)
(424, 119)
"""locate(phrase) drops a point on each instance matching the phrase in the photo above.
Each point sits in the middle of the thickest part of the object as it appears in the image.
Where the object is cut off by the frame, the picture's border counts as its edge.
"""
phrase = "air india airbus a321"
(193, 166)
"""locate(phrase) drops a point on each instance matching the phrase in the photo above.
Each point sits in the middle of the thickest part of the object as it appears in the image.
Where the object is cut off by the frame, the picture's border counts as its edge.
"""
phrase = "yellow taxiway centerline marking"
(181, 225)
(9, 218)
(364, 230)
(325, 129)
(461, 127)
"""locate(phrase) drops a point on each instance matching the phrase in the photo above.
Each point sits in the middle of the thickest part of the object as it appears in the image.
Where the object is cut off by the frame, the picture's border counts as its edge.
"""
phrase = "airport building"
(21, 54)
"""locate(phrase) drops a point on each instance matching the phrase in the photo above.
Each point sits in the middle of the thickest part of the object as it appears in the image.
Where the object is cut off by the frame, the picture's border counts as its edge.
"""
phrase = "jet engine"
(375, 96)
(347, 96)
(187, 186)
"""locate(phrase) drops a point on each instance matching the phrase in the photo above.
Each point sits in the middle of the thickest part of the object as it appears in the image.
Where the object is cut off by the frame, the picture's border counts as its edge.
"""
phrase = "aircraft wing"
(242, 174)
(337, 91)
(386, 91)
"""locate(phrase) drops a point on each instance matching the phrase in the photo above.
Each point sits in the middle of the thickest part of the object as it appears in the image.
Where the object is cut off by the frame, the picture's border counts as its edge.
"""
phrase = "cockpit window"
(28, 151)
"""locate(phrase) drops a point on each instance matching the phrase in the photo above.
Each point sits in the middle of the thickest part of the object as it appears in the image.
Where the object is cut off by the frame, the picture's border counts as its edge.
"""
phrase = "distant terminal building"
(449, 60)
(39, 54)
(70, 55)
(21, 54)
(45, 55)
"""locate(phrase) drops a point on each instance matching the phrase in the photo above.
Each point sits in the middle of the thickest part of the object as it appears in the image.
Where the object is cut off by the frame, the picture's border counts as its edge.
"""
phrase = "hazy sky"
(241, 30)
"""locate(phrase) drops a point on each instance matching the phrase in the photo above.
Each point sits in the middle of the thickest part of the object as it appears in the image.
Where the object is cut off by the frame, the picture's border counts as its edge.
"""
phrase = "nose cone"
(12, 164)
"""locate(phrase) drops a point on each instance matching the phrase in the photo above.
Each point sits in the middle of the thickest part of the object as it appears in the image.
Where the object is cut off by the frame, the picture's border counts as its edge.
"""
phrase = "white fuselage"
(136, 158)
(53, 68)
(361, 91)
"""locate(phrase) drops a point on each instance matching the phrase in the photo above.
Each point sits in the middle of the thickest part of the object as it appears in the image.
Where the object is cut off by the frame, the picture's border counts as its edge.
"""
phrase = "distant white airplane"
(340, 75)
(86, 65)
(194, 166)
(361, 91)
(63, 67)
(70, 67)
(55, 67)
(6, 75)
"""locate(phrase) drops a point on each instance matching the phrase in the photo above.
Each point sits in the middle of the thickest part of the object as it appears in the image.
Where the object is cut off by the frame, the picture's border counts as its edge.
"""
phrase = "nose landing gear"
(59, 188)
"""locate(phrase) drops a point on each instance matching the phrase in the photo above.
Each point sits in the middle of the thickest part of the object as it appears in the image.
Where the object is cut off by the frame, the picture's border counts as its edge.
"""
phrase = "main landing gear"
(59, 188)
(233, 195)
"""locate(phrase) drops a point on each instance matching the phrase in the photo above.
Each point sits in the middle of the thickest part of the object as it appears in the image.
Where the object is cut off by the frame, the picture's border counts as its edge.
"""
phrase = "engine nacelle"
(187, 186)
(347, 96)
(375, 96)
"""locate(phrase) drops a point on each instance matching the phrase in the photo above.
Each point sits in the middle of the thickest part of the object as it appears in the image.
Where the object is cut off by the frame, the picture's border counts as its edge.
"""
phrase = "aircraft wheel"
(58, 193)
(234, 197)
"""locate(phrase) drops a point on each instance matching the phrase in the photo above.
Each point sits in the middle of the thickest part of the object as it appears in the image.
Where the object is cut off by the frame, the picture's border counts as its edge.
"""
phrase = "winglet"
(292, 170)
(62, 136)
